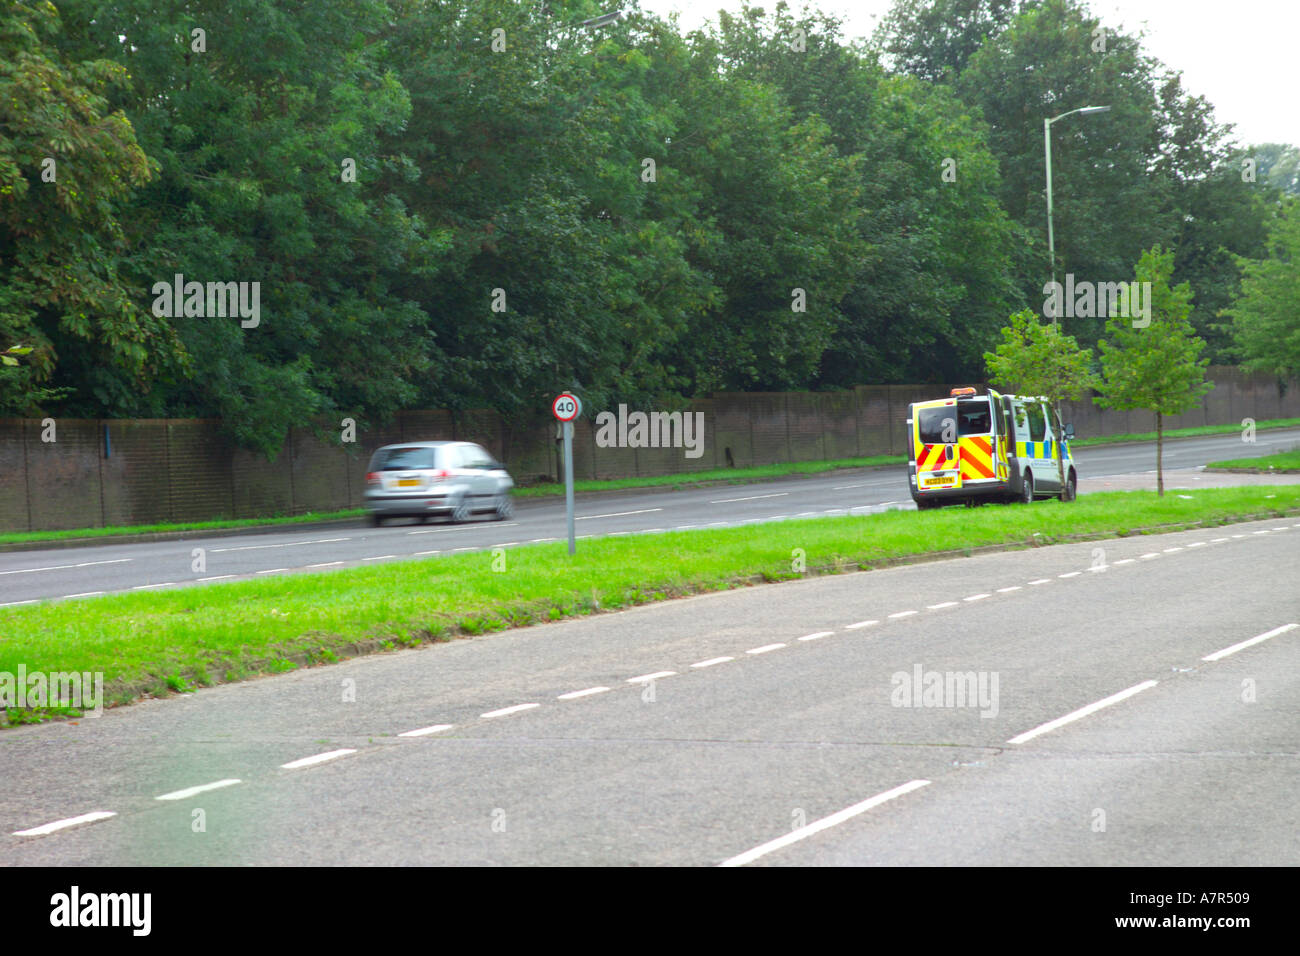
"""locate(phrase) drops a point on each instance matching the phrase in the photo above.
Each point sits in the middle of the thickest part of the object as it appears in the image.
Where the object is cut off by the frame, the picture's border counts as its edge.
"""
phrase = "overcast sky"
(1240, 56)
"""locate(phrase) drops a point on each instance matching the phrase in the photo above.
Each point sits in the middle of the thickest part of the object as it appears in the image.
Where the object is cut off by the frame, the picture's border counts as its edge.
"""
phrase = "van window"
(936, 425)
(974, 418)
(1037, 421)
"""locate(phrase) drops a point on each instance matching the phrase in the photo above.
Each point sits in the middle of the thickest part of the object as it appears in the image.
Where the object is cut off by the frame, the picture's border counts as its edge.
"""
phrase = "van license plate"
(947, 480)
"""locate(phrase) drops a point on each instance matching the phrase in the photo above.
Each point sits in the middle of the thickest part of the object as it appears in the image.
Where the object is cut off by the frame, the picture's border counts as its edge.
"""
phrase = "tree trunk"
(1160, 438)
(1060, 448)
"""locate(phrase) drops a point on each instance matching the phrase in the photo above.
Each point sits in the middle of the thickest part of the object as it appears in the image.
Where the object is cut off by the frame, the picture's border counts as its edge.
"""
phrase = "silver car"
(424, 478)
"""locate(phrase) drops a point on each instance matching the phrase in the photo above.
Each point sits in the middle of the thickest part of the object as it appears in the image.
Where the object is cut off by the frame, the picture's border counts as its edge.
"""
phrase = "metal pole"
(568, 480)
(1051, 239)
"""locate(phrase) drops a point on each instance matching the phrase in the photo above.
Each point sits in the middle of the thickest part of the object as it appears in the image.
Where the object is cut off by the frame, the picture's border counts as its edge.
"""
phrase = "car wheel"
(376, 520)
(461, 512)
(1071, 488)
(505, 508)
(1027, 489)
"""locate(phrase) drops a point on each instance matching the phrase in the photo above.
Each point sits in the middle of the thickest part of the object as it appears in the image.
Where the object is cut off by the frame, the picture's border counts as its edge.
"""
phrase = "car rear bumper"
(425, 503)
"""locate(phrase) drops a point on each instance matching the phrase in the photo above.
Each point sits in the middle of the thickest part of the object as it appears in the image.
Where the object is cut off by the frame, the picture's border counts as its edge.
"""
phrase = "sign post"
(566, 408)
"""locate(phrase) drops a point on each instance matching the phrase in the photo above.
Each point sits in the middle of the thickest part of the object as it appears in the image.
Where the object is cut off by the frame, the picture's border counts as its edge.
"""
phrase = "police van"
(970, 448)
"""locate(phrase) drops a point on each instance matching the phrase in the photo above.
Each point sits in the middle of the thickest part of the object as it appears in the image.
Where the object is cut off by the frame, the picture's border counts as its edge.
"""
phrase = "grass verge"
(1282, 462)
(1195, 432)
(157, 642)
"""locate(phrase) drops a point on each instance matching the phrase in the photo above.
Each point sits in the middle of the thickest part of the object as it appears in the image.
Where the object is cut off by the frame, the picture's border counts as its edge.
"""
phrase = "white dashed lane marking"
(426, 731)
(646, 678)
(42, 830)
(201, 788)
(504, 711)
(316, 758)
(574, 695)
(765, 648)
(713, 660)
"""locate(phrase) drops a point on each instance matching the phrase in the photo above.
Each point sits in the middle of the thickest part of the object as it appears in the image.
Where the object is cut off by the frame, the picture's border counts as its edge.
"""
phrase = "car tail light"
(441, 474)
(372, 478)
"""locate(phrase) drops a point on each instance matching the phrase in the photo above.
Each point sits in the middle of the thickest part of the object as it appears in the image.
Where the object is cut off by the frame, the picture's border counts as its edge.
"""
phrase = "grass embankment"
(160, 641)
(1282, 462)
(669, 482)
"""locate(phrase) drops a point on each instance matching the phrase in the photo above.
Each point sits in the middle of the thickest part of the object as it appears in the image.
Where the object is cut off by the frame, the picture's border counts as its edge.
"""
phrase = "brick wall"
(98, 473)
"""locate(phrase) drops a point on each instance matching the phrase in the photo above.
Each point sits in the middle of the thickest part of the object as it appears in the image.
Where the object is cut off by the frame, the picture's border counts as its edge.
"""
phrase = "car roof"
(422, 444)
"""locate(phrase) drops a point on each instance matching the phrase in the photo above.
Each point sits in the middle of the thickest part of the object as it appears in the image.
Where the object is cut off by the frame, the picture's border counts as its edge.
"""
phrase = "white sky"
(1240, 56)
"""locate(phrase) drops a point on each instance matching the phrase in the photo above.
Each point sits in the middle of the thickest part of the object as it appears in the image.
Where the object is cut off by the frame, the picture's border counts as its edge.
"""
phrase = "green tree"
(1156, 365)
(67, 160)
(1039, 359)
(1266, 316)
(935, 39)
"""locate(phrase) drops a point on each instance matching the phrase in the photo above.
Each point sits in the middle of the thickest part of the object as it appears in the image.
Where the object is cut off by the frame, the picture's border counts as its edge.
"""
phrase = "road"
(761, 726)
(30, 576)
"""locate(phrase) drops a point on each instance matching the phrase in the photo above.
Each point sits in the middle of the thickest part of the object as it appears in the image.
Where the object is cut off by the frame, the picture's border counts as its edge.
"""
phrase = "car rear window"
(970, 418)
(404, 459)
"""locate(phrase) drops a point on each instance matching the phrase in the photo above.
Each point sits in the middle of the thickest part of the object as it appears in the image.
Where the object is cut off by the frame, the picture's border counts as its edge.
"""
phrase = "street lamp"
(1047, 145)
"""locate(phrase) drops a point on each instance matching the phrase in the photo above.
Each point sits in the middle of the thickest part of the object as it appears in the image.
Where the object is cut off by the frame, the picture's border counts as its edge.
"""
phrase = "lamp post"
(1047, 146)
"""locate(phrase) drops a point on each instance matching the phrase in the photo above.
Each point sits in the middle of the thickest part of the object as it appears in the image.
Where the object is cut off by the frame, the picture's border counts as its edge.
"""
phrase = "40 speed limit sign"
(566, 407)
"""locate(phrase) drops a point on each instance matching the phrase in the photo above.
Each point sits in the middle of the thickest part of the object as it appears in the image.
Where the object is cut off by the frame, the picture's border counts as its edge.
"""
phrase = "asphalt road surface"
(1131, 702)
(74, 573)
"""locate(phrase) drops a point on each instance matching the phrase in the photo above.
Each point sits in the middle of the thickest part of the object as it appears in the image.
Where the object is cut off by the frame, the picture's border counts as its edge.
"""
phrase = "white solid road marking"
(273, 571)
(380, 557)
(215, 577)
(1014, 587)
(765, 648)
(1220, 655)
(1042, 581)
(509, 710)
(64, 567)
(16, 603)
(854, 627)
(201, 788)
(86, 594)
(713, 660)
(935, 607)
(287, 544)
(724, 501)
(145, 587)
(899, 614)
(574, 695)
(508, 524)
(825, 823)
(64, 824)
(420, 554)
(646, 678)
(616, 514)
(1081, 712)
(425, 731)
(318, 758)
(977, 597)
(816, 636)
(326, 564)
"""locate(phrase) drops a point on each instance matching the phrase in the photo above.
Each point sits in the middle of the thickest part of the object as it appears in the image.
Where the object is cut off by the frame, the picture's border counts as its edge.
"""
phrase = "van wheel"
(925, 504)
(1027, 489)
(1071, 490)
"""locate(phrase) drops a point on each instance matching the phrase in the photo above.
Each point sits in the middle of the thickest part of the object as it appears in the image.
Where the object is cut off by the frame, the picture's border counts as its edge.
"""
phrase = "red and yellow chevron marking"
(976, 458)
(932, 458)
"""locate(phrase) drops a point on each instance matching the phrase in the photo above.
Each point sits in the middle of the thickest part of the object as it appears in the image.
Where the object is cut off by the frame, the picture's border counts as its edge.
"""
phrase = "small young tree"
(1038, 359)
(1155, 364)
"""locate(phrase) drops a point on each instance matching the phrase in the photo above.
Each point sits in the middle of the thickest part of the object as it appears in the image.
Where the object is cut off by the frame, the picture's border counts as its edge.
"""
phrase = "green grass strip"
(156, 641)
(1285, 461)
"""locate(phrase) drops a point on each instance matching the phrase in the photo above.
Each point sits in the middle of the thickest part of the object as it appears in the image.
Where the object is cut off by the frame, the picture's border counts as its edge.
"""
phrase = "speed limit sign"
(566, 407)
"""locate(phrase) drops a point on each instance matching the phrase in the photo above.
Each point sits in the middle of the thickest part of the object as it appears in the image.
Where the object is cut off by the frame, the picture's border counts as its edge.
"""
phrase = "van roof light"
(962, 391)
